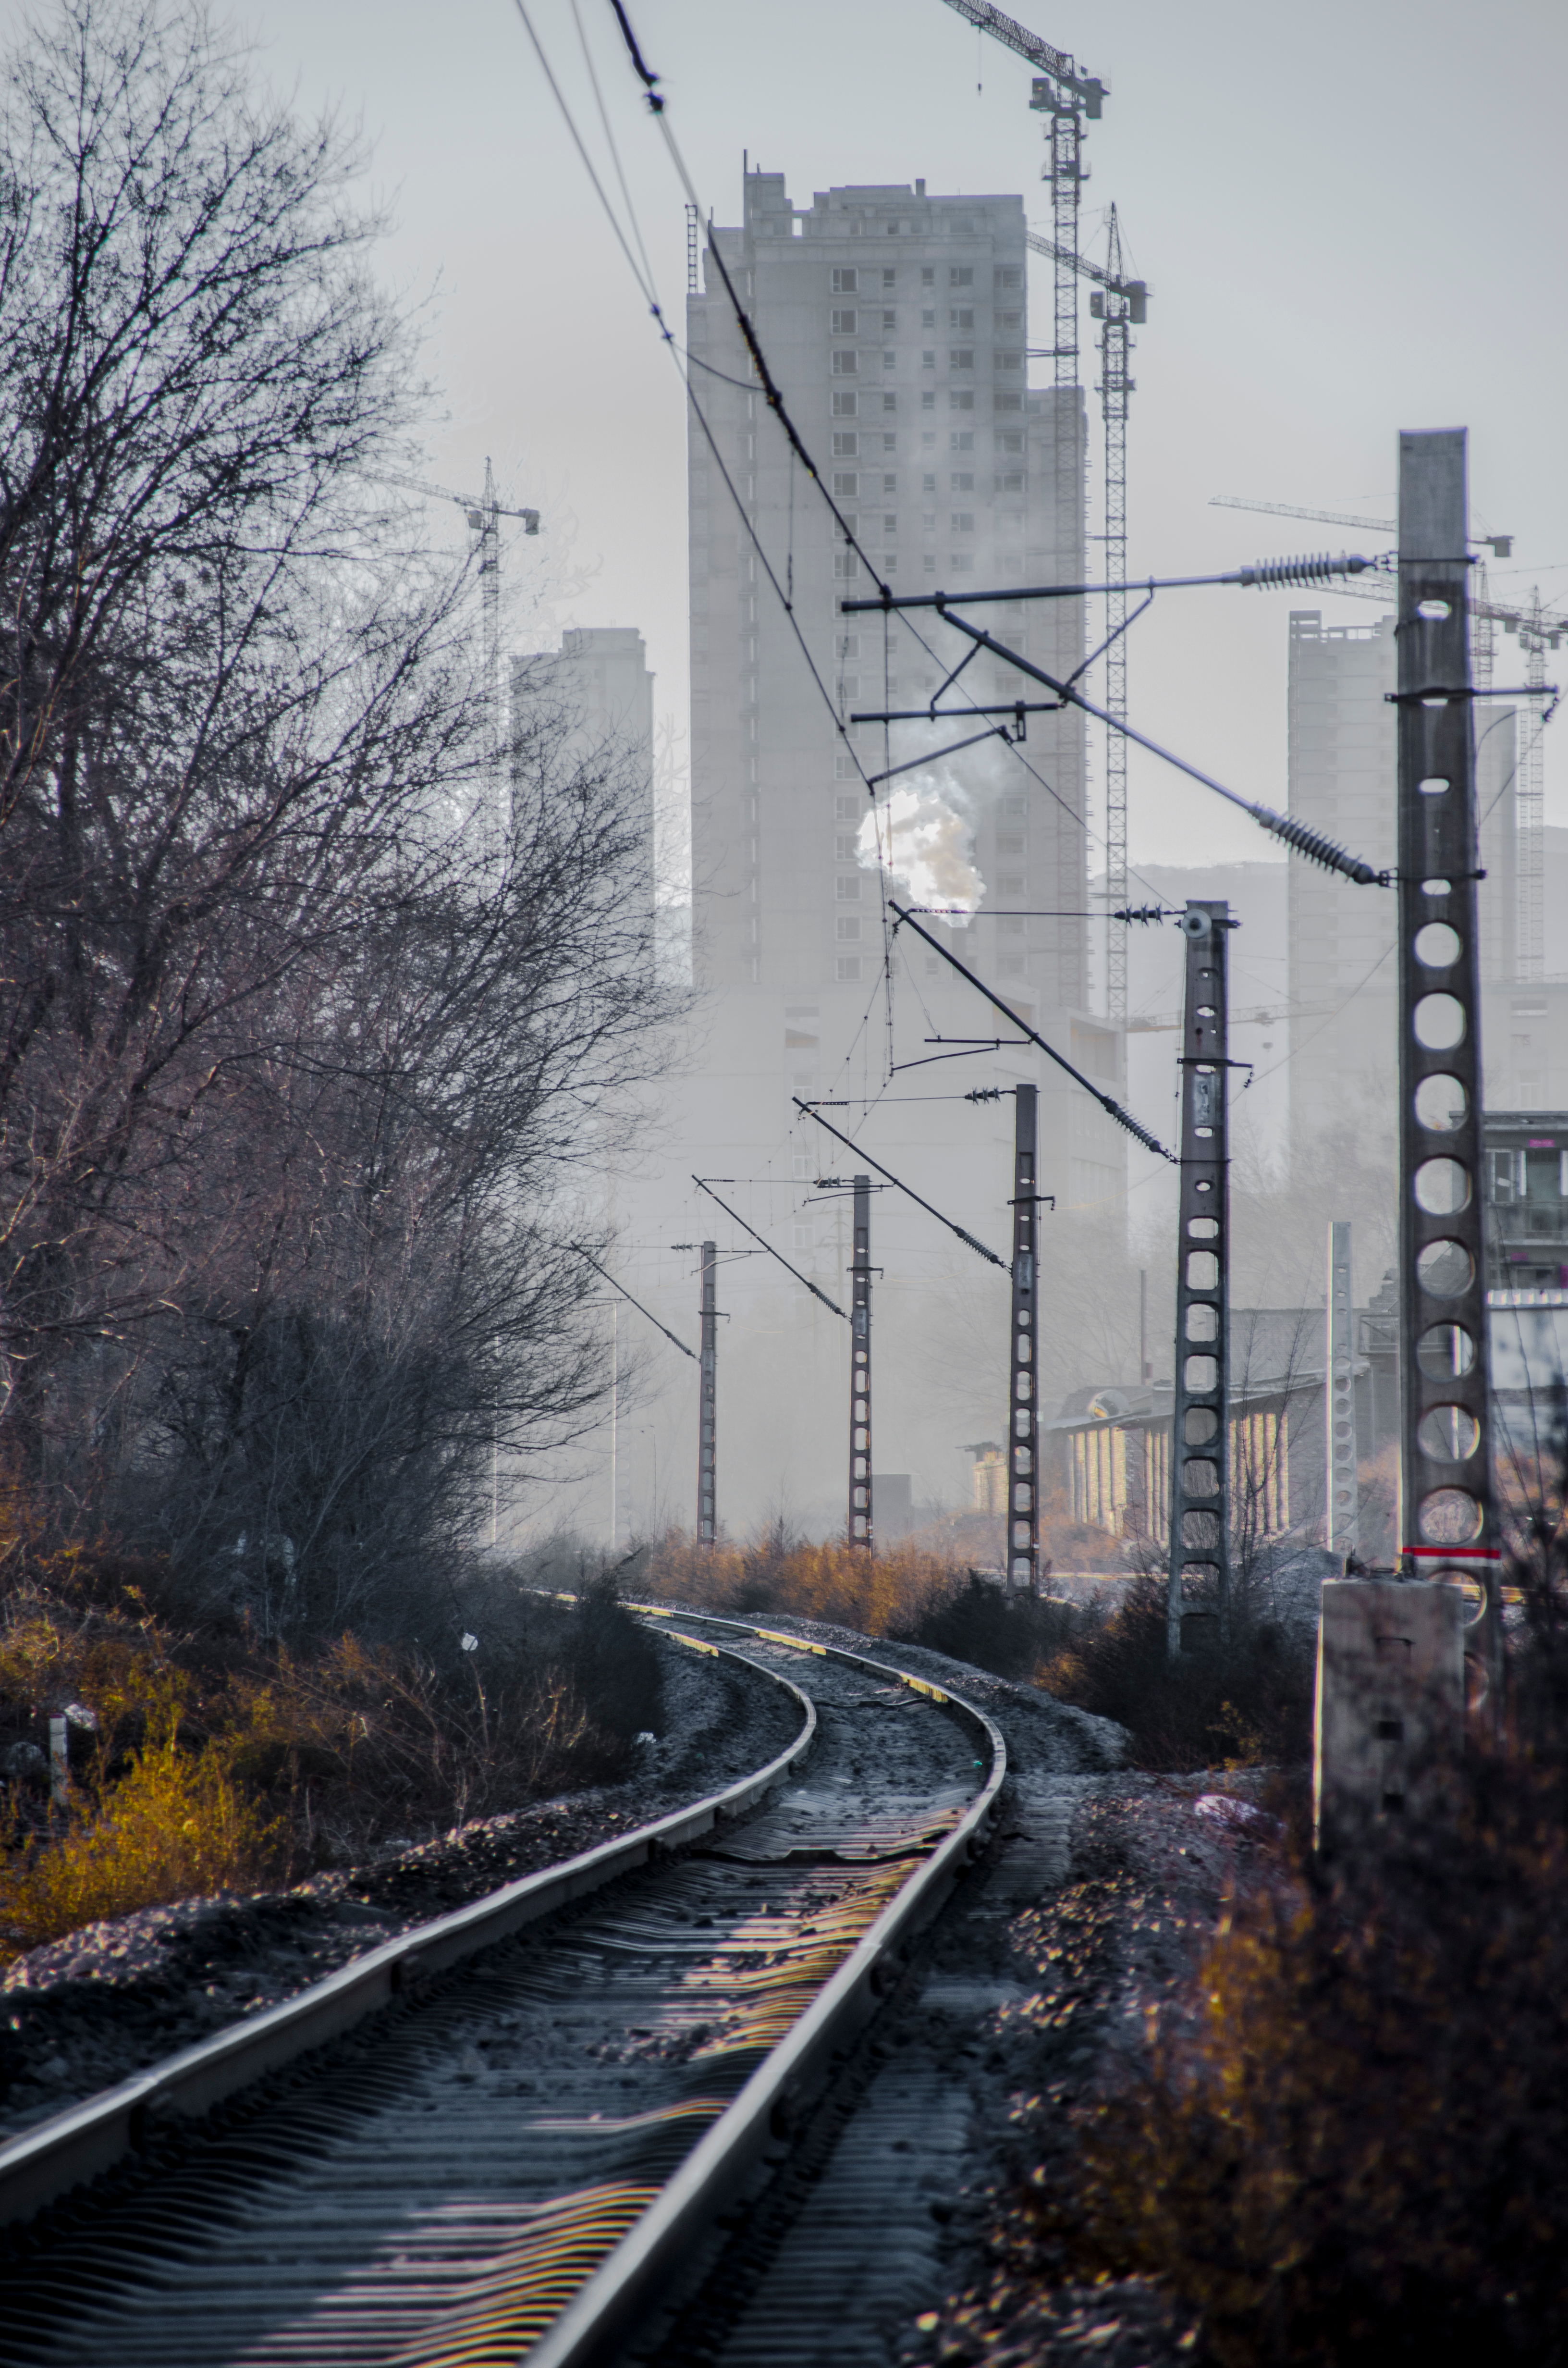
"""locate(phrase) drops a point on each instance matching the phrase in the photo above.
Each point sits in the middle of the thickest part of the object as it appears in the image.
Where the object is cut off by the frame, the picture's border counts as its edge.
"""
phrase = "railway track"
(538, 2128)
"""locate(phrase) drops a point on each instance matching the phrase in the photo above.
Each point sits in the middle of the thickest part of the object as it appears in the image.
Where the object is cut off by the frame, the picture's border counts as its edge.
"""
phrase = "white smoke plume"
(927, 844)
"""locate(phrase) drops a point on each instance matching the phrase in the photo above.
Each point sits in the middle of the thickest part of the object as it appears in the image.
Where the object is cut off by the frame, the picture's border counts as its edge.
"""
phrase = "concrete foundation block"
(1391, 1705)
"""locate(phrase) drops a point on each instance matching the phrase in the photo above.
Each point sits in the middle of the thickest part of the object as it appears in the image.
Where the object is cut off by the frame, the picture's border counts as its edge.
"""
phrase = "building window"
(889, 320)
(845, 282)
(845, 564)
(846, 405)
(961, 275)
(960, 316)
(961, 561)
(1008, 274)
(928, 276)
(1009, 321)
(1010, 440)
(890, 443)
(845, 361)
(961, 399)
(1009, 361)
(889, 361)
(848, 889)
(962, 482)
(849, 686)
(890, 527)
(929, 361)
(848, 928)
(1007, 402)
(845, 481)
(928, 484)
(963, 521)
(847, 969)
(928, 320)
(889, 403)
(962, 438)
(889, 482)
(843, 324)
(930, 563)
(845, 769)
(846, 444)
(890, 276)
(844, 848)
(928, 400)
(1506, 1175)
(1010, 481)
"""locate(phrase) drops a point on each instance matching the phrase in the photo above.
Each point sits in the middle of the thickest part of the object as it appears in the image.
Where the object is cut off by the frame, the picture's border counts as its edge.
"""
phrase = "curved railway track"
(532, 2128)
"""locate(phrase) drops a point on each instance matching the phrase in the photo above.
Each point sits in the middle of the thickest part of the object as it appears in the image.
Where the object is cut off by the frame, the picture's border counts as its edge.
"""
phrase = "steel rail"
(45, 2162)
(593, 2325)
(634, 2268)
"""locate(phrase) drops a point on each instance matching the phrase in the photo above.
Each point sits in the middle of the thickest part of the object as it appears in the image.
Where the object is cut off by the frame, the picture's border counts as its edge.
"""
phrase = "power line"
(861, 1153)
(652, 1319)
(767, 1245)
(1108, 1103)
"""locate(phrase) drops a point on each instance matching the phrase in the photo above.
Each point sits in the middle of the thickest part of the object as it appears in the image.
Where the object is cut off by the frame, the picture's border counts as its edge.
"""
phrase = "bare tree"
(292, 1070)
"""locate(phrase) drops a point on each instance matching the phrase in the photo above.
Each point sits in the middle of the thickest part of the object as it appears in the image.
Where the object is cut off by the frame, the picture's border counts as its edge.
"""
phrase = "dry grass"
(879, 1593)
(1349, 2146)
(212, 1763)
(175, 1825)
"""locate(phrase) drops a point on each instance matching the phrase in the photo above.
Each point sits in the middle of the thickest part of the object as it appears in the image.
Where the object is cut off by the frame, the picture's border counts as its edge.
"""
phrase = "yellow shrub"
(175, 1826)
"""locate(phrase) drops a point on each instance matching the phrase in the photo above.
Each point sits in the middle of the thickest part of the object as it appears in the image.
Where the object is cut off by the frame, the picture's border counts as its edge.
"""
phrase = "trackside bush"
(1350, 2145)
(1247, 1704)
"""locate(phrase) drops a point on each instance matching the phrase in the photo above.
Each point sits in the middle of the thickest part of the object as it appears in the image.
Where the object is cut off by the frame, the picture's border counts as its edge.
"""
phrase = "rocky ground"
(1095, 1905)
(1103, 1887)
(89, 2010)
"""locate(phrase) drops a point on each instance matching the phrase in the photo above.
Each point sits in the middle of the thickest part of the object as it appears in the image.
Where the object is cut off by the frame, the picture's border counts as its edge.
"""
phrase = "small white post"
(59, 1763)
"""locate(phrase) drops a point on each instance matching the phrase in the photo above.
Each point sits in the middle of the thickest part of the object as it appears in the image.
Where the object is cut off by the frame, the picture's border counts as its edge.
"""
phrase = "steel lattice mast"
(1068, 97)
(1115, 384)
(1120, 304)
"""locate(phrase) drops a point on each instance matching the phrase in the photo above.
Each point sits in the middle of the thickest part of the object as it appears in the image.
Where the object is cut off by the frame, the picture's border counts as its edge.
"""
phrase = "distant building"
(1109, 1449)
(1527, 1202)
(600, 678)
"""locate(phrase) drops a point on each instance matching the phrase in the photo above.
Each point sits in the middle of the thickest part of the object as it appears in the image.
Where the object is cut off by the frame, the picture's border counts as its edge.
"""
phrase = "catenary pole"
(1200, 1569)
(1446, 1519)
(860, 1507)
(1023, 1358)
(706, 1424)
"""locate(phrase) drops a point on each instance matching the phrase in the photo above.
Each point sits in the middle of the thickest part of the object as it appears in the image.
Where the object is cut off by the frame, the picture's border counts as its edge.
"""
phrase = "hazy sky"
(1351, 217)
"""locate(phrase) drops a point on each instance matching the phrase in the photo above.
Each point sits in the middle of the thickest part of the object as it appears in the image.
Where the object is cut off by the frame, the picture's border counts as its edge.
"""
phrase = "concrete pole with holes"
(860, 1532)
(708, 1403)
(1023, 1404)
(1400, 1660)
(1447, 1531)
(1199, 1582)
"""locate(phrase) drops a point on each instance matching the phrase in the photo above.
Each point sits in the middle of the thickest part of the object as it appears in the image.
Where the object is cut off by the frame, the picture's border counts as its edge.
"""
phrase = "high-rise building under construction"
(895, 326)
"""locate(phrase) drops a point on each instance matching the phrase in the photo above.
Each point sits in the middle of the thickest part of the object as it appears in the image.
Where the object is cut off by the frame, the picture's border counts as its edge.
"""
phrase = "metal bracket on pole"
(860, 1534)
(1198, 1585)
(707, 1409)
(1446, 1518)
(1023, 1404)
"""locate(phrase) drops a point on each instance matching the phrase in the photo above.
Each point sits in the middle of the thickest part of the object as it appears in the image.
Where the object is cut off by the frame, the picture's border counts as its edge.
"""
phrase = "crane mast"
(1118, 304)
(1067, 97)
(1115, 384)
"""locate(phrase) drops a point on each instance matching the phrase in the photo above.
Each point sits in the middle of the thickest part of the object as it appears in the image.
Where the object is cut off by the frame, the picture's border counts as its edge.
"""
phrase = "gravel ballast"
(84, 2013)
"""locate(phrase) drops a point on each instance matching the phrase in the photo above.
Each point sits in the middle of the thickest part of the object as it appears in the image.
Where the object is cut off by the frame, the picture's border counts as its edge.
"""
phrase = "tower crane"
(1069, 98)
(483, 514)
(1539, 630)
(1118, 304)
